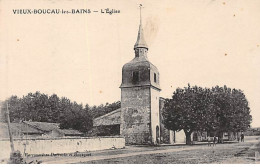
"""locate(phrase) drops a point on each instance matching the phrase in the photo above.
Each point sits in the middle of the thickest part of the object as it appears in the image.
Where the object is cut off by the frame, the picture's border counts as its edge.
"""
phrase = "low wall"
(60, 145)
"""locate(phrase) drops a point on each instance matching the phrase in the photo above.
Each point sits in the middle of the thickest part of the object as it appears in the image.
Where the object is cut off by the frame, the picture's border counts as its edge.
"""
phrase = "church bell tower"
(140, 92)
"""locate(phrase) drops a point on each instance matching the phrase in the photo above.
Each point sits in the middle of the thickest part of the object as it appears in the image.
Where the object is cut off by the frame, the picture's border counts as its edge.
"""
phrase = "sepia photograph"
(129, 82)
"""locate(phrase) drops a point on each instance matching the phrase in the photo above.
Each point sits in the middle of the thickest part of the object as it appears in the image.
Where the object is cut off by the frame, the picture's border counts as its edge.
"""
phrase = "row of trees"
(217, 109)
(43, 108)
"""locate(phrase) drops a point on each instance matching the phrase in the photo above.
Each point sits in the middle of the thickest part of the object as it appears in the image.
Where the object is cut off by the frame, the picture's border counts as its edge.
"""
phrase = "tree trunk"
(220, 137)
(188, 137)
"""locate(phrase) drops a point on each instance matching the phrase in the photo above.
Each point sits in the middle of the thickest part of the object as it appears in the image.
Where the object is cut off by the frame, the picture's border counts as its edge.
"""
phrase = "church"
(139, 119)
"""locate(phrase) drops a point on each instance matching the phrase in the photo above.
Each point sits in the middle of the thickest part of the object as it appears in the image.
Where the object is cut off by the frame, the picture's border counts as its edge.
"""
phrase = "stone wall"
(60, 145)
(135, 115)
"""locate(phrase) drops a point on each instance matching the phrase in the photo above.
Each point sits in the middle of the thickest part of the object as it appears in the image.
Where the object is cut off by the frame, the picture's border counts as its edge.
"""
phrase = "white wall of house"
(180, 137)
(171, 136)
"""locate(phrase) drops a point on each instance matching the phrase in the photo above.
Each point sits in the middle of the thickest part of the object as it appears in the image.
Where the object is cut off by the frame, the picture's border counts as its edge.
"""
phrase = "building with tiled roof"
(19, 130)
(29, 129)
(43, 126)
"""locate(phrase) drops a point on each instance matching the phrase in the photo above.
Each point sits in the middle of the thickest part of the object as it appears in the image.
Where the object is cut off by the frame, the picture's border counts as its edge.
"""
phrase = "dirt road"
(222, 153)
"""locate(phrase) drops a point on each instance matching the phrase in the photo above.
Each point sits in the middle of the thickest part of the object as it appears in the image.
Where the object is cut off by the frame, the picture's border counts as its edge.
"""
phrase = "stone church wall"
(135, 115)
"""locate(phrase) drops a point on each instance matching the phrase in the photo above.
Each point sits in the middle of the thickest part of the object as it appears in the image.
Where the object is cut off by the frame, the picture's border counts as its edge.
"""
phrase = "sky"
(80, 56)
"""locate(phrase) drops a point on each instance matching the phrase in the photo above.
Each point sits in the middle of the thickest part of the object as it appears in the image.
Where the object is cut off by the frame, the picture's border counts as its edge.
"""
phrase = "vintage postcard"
(129, 82)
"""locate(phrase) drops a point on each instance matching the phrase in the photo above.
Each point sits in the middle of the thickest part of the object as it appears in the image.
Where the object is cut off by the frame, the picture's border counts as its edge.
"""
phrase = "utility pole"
(9, 130)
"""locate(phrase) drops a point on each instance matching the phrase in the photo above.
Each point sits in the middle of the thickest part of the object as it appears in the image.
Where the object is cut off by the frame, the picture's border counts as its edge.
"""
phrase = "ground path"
(102, 157)
(199, 153)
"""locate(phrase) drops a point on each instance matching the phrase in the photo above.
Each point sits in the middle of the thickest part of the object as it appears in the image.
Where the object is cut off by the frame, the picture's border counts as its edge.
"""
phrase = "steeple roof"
(140, 43)
(141, 66)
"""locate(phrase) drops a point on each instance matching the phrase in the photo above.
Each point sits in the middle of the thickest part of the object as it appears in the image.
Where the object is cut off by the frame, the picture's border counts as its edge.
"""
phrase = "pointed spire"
(140, 43)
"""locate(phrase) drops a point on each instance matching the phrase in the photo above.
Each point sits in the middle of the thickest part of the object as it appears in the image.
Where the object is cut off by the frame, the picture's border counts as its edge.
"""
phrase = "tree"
(217, 110)
(97, 111)
(231, 110)
(43, 108)
(14, 106)
(186, 111)
(77, 118)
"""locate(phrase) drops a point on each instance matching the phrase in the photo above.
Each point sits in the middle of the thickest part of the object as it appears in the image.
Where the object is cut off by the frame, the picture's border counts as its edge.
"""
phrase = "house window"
(135, 76)
(154, 76)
